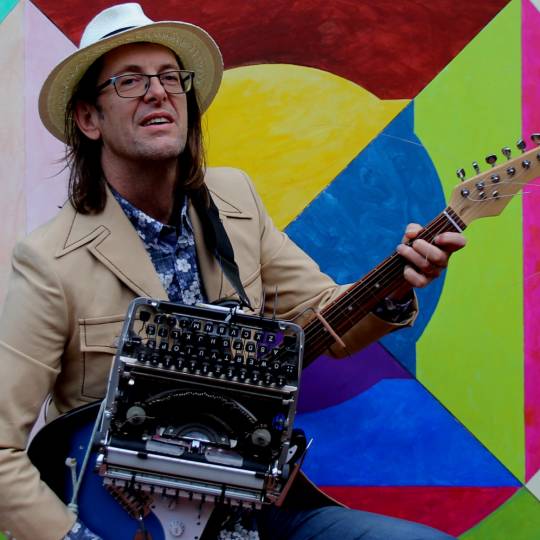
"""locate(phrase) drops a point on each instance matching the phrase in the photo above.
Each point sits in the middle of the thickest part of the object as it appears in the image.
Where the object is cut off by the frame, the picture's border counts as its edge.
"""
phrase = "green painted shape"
(471, 353)
(517, 519)
(5, 7)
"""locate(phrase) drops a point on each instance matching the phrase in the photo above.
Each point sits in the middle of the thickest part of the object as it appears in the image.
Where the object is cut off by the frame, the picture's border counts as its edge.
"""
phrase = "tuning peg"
(461, 174)
(491, 159)
(506, 152)
(535, 138)
(476, 167)
(521, 145)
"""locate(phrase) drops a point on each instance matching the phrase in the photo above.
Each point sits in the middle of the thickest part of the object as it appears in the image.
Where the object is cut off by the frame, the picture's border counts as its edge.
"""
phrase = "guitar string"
(520, 193)
(316, 336)
(318, 339)
(388, 272)
(387, 268)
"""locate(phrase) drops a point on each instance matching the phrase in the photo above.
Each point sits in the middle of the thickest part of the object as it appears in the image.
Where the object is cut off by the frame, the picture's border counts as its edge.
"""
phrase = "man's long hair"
(86, 187)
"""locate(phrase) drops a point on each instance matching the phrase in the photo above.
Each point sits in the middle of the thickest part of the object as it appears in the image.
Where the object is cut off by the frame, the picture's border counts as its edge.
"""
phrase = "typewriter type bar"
(202, 398)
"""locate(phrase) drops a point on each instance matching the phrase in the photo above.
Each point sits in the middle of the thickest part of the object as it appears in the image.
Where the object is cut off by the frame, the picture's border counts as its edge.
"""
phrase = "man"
(139, 222)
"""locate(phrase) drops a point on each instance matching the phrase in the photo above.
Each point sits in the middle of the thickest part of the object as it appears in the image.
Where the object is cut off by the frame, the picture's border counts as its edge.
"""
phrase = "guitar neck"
(362, 297)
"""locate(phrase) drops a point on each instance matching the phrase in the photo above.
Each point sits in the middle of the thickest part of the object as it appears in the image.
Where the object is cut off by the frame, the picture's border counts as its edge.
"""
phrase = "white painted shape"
(45, 182)
(533, 485)
(536, 4)
(12, 203)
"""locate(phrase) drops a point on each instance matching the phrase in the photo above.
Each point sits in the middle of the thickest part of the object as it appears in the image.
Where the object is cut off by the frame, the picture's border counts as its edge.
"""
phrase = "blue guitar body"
(68, 437)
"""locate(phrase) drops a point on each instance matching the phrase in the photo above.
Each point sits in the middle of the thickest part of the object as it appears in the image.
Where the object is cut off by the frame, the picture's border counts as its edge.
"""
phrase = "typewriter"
(200, 403)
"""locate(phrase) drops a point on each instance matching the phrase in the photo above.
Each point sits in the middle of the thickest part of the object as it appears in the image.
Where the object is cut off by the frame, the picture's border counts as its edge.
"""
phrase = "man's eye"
(126, 82)
(170, 77)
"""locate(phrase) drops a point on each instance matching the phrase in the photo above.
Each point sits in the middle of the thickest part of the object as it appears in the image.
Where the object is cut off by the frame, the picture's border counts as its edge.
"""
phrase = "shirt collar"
(151, 228)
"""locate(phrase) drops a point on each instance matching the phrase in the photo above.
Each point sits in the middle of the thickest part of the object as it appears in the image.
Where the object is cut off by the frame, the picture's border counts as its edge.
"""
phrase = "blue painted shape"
(396, 434)
(5, 7)
(360, 217)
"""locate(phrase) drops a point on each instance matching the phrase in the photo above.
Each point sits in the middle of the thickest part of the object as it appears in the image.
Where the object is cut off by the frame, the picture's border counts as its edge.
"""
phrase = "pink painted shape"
(45, 46)
(454, 510)
(531, 242)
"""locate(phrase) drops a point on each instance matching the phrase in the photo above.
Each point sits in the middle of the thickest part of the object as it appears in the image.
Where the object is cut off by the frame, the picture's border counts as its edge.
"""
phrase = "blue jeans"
(336, 523)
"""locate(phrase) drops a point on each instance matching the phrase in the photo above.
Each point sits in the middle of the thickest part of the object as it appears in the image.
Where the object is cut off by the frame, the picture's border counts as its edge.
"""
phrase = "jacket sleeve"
(33, 330)
(302, 287)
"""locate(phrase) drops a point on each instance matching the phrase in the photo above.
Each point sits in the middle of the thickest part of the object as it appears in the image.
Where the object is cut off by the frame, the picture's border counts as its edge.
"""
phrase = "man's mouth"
(157, 120)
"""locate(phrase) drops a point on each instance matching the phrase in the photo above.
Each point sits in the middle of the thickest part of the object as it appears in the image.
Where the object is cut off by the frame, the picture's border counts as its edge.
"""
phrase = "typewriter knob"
(261, 437)
(135, 415)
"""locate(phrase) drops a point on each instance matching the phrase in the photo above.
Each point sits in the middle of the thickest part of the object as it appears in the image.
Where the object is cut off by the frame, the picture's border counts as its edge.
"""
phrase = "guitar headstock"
(487, 193)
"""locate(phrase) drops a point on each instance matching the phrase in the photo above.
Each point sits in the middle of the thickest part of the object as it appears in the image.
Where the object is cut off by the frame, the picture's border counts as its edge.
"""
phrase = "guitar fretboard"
(361, 298)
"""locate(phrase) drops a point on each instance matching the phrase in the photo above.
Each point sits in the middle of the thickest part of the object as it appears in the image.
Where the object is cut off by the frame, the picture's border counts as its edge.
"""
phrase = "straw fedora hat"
(120, 25)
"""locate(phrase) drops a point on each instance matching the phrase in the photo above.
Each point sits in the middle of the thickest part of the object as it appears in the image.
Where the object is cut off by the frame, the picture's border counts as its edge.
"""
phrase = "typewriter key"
(163, 332)
(246, 333)
(196, 325)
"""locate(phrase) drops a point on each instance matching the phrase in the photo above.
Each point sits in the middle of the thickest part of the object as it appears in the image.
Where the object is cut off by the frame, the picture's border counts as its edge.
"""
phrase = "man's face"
(152, 127)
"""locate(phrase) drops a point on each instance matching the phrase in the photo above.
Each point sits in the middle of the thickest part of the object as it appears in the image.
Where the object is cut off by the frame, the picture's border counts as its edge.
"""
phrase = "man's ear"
(87, 119)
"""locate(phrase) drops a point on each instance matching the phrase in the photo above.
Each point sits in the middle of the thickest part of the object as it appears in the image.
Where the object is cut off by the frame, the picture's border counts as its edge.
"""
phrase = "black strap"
(218, 241)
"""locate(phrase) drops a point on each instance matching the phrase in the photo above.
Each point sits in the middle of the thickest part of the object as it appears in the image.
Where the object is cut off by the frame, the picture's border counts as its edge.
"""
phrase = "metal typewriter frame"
(218, 470)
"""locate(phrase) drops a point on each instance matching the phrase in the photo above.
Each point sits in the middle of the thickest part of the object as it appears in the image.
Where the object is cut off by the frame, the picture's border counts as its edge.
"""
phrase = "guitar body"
(68, 437)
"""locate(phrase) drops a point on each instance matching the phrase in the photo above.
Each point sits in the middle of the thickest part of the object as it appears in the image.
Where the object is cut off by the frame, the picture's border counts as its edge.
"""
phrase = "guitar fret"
(362, 297)
(453, 220)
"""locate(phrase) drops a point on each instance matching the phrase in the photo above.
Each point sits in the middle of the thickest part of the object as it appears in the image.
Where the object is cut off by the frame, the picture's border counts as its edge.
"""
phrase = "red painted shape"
(393, 49)
(450, 509)
(531, 242)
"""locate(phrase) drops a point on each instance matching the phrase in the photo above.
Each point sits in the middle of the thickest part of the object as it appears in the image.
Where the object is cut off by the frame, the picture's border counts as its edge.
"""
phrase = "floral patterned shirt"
(172, 250)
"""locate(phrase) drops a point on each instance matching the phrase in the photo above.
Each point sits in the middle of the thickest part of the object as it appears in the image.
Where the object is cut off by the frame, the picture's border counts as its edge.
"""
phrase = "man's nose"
(155, 90)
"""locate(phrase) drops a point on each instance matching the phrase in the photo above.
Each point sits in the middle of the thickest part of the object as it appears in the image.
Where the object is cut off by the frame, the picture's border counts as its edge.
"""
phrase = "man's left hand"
(427, 261)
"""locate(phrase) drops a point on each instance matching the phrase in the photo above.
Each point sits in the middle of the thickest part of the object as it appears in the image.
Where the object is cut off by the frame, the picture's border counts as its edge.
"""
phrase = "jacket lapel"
(111, 238)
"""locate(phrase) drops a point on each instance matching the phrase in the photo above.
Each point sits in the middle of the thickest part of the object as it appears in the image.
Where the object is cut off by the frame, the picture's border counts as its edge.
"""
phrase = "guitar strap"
(217, 240)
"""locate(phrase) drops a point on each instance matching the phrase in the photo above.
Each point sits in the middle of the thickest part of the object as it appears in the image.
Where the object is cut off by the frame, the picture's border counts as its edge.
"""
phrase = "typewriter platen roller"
(201, 402)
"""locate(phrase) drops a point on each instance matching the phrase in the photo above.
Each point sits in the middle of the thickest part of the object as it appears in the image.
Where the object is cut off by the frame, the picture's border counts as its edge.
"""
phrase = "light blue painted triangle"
(358, 220)
(5, 7)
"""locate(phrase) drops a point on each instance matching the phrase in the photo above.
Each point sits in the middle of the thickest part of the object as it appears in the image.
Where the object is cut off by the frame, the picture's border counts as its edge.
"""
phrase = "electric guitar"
(115, 514)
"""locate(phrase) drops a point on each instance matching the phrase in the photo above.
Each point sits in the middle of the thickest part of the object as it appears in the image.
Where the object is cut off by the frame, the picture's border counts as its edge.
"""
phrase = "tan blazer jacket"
(71, 285)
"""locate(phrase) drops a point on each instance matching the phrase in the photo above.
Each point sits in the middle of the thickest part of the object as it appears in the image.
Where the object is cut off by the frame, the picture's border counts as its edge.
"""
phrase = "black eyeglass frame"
(190, 75)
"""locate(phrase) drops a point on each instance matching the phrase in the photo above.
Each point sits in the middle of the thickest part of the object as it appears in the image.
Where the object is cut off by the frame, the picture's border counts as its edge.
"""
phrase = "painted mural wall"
(352, 117)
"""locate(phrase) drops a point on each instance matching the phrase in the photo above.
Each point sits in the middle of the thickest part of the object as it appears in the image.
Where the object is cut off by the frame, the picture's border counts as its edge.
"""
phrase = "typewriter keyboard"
(214, 342)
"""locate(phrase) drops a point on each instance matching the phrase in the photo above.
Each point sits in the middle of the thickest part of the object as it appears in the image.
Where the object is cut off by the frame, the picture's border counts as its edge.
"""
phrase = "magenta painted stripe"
(531, 241)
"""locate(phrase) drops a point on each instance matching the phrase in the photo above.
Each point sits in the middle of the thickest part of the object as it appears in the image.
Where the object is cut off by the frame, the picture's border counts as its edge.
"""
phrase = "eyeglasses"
(134, 85)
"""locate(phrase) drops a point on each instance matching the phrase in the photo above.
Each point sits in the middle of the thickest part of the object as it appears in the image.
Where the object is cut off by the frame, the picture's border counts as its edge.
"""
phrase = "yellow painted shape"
(293, 129)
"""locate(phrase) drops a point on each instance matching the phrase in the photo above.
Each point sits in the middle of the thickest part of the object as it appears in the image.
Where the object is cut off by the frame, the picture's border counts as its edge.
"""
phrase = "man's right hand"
(80, 531)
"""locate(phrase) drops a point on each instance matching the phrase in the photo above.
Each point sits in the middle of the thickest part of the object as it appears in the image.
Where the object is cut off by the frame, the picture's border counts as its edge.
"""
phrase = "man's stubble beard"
(144, 153)
(157, 153)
